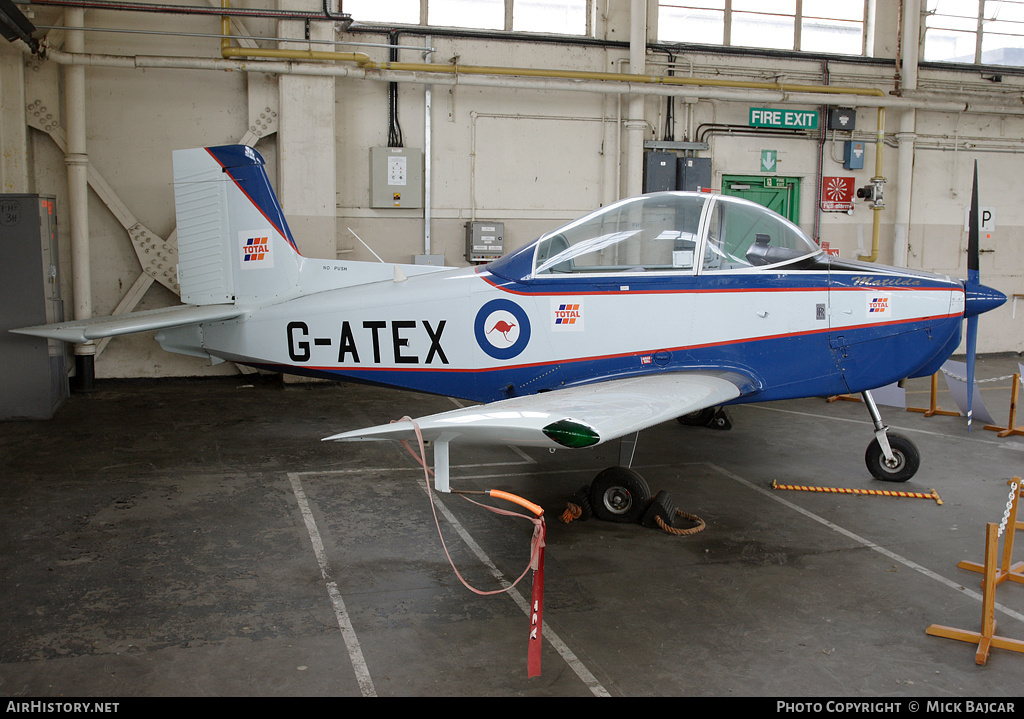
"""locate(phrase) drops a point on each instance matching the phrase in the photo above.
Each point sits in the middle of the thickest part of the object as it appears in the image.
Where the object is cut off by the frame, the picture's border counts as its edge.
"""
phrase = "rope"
(682, 532)
(979, 381)
(538, 522)
(879, 492)
(572, 512)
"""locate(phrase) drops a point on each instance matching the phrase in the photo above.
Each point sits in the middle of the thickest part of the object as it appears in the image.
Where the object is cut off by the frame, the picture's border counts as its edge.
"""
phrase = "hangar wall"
(530, 153)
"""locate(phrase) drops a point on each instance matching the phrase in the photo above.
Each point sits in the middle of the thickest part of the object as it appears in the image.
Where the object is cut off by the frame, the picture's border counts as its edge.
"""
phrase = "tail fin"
(234, 244)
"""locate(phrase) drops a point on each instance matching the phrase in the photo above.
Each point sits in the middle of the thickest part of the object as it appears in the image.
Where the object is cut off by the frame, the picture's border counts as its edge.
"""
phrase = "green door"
(783, 196)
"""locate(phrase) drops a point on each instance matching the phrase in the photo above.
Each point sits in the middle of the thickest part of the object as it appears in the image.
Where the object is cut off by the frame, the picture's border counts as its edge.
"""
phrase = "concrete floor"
(195, 538)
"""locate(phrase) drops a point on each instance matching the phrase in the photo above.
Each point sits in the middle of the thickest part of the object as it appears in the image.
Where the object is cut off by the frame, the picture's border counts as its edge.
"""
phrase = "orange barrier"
(933, 408)
(986, 639)
(1011, 426)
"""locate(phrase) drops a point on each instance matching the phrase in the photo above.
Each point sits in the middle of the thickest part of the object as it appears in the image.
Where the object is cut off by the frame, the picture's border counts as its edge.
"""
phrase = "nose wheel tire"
(906, 459)
(619, 494)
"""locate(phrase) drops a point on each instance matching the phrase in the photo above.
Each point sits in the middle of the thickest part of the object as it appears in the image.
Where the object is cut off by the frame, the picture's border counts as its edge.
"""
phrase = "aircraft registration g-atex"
(650, 309)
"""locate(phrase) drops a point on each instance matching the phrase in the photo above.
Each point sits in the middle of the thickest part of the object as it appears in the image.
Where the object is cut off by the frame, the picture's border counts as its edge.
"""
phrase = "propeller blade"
(974, 229)
(973, 282)
(972, 344)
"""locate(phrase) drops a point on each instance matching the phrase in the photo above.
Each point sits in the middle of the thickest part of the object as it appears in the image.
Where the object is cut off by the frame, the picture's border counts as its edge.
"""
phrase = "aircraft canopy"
(672, 232)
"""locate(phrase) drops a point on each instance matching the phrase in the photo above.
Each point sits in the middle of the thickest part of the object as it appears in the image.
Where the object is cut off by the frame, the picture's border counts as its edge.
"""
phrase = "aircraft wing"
(578, 416)
(79, 331)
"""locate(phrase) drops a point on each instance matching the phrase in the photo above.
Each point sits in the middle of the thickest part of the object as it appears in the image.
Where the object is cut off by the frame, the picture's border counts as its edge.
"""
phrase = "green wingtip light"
(570, 433)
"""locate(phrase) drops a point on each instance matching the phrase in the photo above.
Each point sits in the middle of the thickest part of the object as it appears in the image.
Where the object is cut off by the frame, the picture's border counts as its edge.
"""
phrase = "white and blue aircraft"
(650, 309)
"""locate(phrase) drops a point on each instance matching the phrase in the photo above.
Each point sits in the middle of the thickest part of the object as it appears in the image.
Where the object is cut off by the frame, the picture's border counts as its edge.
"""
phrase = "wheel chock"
(661, 507)
(720, 421)
(661, 512)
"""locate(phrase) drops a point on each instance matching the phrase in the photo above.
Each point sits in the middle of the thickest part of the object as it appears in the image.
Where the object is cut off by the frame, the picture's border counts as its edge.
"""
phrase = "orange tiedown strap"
(536, 550)
(880, 492)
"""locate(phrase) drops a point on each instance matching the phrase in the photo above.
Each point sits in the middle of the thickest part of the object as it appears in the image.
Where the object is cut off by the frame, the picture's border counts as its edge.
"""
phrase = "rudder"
(234, 244)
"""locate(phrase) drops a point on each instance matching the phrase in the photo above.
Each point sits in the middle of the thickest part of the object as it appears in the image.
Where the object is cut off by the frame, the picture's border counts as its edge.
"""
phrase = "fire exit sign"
(788, 119)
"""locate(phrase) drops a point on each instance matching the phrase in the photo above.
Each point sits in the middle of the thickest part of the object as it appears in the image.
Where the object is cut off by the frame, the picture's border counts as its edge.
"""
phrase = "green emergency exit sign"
(788, 119)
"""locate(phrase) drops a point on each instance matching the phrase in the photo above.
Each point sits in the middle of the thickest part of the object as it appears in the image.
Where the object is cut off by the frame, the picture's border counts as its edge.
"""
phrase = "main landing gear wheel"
(700, 418)
(906, 458)
(619, 494)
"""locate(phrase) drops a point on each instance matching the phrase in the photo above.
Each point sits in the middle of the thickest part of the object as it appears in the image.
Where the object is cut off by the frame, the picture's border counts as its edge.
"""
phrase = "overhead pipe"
(638, 47)
(280, 62)
(532, 78)
(167, 8)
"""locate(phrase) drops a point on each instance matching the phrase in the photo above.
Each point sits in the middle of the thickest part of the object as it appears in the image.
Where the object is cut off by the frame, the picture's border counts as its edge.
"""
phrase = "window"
(764, 24)
(693, 21)
(563, 17)
(647, 234)
(975, 31)
(810, 25)
(829, 26)
(742, 234)
(566, 17)
(482, 14)
(405, 12)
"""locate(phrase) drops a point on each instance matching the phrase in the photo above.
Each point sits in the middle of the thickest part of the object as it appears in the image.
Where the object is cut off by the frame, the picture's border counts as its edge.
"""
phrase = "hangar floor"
(195, 538)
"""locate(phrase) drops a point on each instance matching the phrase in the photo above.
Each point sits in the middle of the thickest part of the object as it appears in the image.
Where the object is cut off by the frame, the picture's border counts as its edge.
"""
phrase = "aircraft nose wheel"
(906, 459)
(619, 494)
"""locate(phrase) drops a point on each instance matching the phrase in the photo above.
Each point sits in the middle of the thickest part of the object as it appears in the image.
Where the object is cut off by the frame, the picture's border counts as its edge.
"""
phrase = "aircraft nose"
(981, 299)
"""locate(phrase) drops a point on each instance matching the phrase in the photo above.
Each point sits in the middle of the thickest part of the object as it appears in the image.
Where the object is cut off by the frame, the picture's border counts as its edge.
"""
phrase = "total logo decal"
(567, 316)
(879, 306)
(502, 329)
(256, 249)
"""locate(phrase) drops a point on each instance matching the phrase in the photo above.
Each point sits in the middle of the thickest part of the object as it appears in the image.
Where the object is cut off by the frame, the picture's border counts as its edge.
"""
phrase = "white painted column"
(77, 161)
(306, 180)
(635, 124)
(14, 135)
(907, 134)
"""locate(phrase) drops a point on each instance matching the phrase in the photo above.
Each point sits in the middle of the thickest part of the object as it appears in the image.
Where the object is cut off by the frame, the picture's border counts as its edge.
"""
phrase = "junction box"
(396, 177)
(485, 241)
(667, 171)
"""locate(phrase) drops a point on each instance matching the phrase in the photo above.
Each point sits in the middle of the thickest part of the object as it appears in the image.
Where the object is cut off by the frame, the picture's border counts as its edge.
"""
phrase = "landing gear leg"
(881, 431)
(627, 448)
(889, 457)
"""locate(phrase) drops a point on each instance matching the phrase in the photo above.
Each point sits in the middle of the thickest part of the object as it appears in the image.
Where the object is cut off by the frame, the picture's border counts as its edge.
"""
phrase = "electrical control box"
(693, 174)
(659, 171)
(34, 383)
(842, 118)
(396, 177)
(485, 241)
(853, 155)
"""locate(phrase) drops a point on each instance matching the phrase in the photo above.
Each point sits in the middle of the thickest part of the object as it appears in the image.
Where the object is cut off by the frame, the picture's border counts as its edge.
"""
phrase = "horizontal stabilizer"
(79, 331)
(574, 417)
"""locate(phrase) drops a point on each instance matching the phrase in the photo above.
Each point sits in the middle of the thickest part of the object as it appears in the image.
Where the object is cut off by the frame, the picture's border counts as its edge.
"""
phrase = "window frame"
(798, 16)
(588, 30)
(977, 30)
